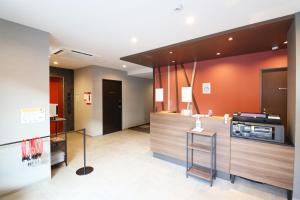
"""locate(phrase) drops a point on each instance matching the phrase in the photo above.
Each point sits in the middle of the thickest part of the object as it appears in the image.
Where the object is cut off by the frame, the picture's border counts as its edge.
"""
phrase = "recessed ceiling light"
(124, 66)
(173, 61)
(170, 52)
(190, 20)
(285, 42)
(55, 63)
(218, 53)
(134, 40)
(230, 38)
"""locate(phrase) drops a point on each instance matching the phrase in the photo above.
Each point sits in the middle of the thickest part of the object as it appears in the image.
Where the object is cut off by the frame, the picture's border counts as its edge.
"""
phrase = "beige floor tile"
(125, 169)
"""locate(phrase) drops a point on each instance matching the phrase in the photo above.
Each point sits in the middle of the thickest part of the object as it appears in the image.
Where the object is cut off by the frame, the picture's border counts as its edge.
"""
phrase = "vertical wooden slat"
(160, 85)
(176, 81)
(189, 84)
(169, 90)
(153, 91)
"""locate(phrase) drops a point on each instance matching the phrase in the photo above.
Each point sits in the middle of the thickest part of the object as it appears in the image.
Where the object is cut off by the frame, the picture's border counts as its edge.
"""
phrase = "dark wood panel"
(153, 91)
(274, 93)
(176, 81)
(189, 84)
(247, 39)
(161, 86)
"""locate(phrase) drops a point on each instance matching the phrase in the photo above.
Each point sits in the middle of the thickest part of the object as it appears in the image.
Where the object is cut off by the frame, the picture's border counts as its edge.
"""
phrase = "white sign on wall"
(186, 94)
(159, 94)
(87, 97)
(32, 115)
(206, 88)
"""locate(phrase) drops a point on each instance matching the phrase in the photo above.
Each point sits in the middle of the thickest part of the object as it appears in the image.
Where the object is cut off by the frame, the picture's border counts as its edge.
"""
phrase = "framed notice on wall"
(186, 94)
(206, 88)
(87, 97)
(32, 115)
(159, 95)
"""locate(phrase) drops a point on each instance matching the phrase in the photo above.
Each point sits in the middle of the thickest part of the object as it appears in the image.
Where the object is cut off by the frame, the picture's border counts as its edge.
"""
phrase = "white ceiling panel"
(105, 27)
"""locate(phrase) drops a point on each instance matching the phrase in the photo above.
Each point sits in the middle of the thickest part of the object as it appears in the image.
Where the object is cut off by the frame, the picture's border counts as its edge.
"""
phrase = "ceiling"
(258, 37)
(105, 28)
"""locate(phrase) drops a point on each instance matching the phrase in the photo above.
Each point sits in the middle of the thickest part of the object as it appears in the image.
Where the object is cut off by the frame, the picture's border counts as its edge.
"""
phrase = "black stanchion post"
(84, 170)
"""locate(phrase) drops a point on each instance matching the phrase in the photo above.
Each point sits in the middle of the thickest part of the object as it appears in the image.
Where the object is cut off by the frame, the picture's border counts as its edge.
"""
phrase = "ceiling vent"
(82, 53)
(178, 8)
(58, 52)
(67, 51)
(75, 57)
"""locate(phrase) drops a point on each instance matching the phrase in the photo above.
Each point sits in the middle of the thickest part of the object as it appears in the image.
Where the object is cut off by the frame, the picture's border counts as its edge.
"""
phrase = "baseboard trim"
(137, 126)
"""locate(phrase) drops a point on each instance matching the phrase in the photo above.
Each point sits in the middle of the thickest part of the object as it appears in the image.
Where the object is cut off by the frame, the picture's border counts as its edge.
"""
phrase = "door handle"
(282, 88)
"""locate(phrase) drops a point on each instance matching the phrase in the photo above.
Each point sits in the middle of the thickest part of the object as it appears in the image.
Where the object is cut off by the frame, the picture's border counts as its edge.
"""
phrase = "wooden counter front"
(168, 137)
(264, 162)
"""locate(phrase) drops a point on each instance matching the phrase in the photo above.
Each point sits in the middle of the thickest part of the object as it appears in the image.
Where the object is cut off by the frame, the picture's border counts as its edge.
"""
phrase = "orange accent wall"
(56, 96)
(235, 82)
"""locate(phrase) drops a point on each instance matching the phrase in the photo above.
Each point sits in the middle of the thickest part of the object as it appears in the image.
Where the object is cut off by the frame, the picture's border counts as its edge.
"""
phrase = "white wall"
(24, 83)
(136, 100)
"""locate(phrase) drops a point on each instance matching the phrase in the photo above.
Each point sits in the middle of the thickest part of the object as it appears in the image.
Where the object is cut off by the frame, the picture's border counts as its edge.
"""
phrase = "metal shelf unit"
(59, 151)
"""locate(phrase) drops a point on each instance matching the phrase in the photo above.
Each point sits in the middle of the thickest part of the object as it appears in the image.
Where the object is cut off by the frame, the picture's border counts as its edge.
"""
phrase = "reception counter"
(256, 160)
(168, 139)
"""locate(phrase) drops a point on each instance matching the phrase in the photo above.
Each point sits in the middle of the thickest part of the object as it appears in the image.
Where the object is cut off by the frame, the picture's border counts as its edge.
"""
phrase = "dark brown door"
(274, 92)
(112, 106)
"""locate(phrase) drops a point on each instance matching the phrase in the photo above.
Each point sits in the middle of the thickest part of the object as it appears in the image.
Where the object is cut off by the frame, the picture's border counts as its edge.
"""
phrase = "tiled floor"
(124, 169)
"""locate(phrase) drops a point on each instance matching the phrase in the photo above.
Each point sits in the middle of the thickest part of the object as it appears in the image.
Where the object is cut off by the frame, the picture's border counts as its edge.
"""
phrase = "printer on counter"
(258, 126)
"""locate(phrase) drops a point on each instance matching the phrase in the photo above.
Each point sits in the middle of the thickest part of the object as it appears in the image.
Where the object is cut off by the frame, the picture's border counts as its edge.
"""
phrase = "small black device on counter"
(258, 126)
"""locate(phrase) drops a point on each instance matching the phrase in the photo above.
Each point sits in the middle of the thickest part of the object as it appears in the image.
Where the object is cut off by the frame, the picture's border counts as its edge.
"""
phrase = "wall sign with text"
(159, 95)
(87, 97)
(206, 88)
(32, 115)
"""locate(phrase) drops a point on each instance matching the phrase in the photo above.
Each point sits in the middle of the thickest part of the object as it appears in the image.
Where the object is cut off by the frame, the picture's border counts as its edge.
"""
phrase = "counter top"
(184, 116)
